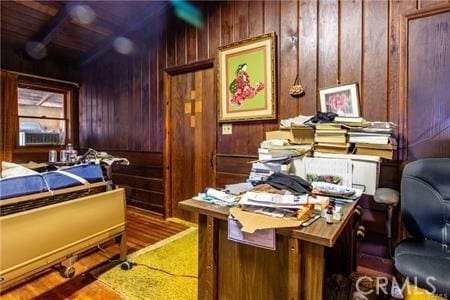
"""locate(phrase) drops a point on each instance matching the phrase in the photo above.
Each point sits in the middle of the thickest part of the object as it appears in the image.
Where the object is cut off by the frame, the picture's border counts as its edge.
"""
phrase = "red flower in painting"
(337, 102)
(241, 88)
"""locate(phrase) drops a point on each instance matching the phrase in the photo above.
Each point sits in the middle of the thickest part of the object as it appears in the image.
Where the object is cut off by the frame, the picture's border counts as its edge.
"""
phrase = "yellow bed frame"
(36, 239)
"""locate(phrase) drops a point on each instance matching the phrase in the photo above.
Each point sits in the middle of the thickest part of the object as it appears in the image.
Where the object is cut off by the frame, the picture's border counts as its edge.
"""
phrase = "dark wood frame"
(71, 111)
(167, 167)
(67, 112)
(403, 78)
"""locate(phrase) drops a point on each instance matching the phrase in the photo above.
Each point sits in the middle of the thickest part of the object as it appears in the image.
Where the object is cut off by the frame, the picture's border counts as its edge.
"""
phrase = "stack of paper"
(286, 204)
(296, 121)
(272, 149)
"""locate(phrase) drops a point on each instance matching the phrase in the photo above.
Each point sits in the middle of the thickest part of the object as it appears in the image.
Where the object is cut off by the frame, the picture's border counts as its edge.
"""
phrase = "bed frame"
(35, 239)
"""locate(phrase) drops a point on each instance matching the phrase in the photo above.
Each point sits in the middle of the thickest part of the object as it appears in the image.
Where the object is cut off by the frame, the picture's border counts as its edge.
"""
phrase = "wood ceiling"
(54, 24)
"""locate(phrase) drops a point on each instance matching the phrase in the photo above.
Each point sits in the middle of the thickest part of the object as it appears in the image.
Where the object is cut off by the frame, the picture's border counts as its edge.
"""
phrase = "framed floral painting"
(342, 100)
(246, 79)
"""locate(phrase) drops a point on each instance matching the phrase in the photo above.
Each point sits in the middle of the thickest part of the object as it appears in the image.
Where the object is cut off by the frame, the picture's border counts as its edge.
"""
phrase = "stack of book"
(331, 138)
(350, 121)
(381, 150)
(299, 134)
(372, 140)
(260, 172)
(278, 149)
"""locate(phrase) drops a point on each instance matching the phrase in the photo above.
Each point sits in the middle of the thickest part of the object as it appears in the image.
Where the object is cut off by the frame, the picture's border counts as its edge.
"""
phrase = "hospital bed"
(49, 219)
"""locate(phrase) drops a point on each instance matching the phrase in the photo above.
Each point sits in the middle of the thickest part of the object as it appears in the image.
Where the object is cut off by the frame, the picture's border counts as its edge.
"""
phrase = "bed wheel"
(66, 269)
(67, 272)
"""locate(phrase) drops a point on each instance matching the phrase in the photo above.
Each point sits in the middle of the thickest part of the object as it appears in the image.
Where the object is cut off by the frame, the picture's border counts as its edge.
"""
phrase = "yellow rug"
(162, 271)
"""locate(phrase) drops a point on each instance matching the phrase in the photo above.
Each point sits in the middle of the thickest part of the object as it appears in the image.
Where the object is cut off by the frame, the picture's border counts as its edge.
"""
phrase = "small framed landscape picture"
(342, 100)
(246, 79)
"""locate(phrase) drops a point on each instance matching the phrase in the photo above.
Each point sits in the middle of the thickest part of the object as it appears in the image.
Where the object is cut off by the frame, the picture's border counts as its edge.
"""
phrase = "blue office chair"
(425, 204)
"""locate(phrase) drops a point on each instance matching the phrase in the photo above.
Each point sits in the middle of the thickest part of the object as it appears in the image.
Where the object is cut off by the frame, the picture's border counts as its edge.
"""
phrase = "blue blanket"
(22, 185)
(90, 172)
(31, 184)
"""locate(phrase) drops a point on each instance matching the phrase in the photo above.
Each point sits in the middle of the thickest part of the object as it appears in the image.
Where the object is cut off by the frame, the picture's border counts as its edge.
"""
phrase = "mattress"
(65, 177)
(73, 176)
(22, 185)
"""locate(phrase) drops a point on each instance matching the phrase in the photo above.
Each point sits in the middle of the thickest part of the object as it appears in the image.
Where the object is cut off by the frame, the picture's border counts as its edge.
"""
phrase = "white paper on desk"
(342, 168)
(263, 238)
(246, 201)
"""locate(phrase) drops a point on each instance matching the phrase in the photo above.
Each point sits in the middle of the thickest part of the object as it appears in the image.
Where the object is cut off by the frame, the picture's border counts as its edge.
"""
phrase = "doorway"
(190, 137)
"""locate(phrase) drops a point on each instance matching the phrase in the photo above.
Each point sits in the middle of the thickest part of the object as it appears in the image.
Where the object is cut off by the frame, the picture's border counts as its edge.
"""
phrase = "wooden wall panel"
(396, 8)
(201, 40)
(288, 62)
(214, 27)
(350, 24)
(428, 106)
(308, 55)
(142, 179)
(180, 42)
(328, 31)
(122, 112)
(170, 48)
(271, 23)
(326, 42)
(375, 45)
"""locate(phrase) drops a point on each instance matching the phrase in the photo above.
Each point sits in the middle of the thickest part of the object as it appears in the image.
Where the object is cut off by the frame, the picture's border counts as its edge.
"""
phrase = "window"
(43, 116)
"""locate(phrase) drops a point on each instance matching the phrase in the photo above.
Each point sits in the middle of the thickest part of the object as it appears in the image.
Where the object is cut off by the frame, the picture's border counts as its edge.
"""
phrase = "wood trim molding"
(403, 72)
(9, 120)
(237, 155)
(167, 148)
(191, 67)
(427, 12)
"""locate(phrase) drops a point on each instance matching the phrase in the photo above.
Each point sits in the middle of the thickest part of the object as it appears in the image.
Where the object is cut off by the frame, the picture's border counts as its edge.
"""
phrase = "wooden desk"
(229, 270)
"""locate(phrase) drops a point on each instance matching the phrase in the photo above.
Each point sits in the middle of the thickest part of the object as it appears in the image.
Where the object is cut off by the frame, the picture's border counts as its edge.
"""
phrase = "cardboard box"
(252, 221)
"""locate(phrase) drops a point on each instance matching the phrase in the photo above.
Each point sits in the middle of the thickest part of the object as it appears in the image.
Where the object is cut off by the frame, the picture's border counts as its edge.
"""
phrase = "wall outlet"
(227, 129)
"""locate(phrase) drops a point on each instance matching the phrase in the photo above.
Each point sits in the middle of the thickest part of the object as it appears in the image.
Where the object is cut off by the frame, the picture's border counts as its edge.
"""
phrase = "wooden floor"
(143, 229)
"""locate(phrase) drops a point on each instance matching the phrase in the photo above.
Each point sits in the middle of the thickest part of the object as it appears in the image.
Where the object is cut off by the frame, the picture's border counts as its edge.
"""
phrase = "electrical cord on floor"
(129, 264)
(132, 263)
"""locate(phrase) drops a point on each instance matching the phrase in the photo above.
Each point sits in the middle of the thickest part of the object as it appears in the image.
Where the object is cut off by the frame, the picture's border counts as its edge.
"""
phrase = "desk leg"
(207, 257)
(295, 269)
(313, 259)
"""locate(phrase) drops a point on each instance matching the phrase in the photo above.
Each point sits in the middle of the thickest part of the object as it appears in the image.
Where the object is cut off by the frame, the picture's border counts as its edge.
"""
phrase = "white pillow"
(11, 170)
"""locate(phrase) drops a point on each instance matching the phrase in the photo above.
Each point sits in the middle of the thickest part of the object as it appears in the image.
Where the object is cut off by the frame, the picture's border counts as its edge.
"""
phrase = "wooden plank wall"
(325, 42)
(121, 111)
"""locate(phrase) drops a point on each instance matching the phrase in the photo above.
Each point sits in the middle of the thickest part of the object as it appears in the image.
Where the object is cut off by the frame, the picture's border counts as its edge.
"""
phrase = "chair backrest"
(425, 199)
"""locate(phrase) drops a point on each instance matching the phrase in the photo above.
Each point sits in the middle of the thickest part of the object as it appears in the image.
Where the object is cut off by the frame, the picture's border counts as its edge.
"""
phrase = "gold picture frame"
(246, 85)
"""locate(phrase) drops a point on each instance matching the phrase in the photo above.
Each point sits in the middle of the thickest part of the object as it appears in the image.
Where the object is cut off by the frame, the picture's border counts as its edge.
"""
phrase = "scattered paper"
(261, 238)
(246, 201)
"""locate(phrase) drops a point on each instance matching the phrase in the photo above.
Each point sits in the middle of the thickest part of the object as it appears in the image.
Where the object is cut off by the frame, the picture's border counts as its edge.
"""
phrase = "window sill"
(38, 149)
